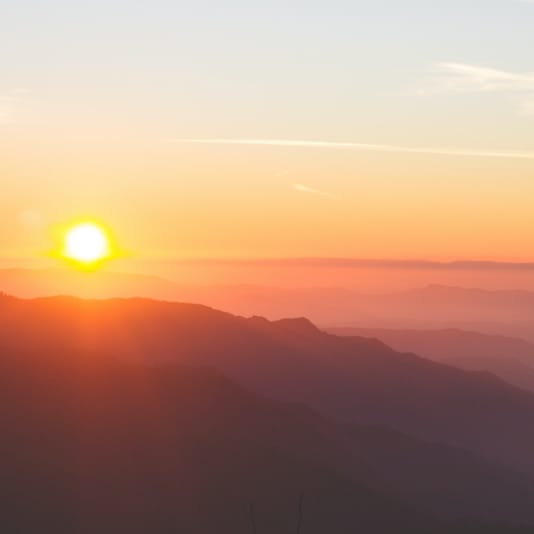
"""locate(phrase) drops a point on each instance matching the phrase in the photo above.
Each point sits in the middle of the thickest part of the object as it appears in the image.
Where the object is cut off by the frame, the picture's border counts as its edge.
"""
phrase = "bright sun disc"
(87, 243)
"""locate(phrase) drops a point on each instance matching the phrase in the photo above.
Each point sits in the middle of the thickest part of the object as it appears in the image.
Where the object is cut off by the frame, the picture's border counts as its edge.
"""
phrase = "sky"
(270, 129)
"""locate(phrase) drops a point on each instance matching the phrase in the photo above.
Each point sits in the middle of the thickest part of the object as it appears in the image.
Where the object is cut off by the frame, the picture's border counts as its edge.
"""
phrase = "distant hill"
(34, 283)
(433, 307)
(352, 379)
(92, 444)
(509, 358)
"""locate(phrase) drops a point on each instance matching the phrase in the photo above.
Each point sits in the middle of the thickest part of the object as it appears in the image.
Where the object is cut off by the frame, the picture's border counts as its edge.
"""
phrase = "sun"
(87, 244)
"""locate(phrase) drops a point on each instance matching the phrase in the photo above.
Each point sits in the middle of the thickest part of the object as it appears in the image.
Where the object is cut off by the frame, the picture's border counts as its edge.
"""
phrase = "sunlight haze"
(95, 99)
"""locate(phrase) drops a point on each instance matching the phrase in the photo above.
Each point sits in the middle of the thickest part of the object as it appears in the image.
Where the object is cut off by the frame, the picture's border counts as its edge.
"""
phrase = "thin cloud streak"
(301, 188)
(364, 147)
(9, 104)
(7, 107)
(461, 77)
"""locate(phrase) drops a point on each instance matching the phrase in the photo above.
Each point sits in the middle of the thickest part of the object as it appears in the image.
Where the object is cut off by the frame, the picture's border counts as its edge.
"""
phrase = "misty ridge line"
(362, 147)
(356, 263)
(314, 262)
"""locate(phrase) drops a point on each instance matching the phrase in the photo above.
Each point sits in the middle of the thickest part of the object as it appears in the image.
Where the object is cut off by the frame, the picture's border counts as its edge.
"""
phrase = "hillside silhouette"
(355, 379)
(502, 312)
(458, 445)
(93, 444)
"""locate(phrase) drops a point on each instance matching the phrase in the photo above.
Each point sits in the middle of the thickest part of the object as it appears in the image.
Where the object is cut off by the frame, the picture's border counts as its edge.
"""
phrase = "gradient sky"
(99, 102)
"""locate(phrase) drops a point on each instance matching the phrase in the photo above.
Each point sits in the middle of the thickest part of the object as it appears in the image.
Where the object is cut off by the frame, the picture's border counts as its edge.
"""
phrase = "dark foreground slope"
(354, 379)
(93, 445)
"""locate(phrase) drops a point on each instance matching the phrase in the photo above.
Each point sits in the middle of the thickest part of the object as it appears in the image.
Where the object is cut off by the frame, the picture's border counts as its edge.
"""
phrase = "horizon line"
(348, 262)
(323, 261)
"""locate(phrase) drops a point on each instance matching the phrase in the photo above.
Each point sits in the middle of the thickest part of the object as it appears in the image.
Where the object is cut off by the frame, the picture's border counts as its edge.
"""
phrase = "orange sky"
(174, 201)
(95, 100)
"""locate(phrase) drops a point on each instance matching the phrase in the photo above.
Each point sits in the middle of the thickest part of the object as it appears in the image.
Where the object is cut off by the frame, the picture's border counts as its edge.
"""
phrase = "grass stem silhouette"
(252, 518)
(299, 519)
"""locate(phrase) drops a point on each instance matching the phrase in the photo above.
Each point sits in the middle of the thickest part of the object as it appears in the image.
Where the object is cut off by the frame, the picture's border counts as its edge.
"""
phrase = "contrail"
(361, 147)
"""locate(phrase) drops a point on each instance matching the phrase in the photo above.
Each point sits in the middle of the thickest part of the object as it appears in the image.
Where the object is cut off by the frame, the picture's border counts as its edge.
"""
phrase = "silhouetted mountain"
(502, 312)
(355, 379)
(509, 358)
(434, 307)
(494, 312)
(91, 444)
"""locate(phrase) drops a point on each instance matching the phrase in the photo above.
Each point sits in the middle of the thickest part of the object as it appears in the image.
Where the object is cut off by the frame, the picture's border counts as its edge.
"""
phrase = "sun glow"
(87, 243)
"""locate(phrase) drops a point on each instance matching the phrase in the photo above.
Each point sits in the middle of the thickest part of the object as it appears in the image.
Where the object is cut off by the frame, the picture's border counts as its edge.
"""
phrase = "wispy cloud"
(311, 191)
(8, 105)
(365, 147)
(461, 78)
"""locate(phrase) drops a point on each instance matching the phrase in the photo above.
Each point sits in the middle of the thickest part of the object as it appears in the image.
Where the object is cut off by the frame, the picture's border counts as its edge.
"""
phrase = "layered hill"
(93, 444)
(512, 359)
(433, 307)
(352, 379)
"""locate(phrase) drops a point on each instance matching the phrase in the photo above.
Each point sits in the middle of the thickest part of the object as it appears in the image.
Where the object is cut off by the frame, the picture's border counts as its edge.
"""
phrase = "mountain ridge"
(355, 379)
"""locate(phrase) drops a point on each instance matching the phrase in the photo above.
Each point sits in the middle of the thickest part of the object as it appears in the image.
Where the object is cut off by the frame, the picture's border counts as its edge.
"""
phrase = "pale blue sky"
(340, 69)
